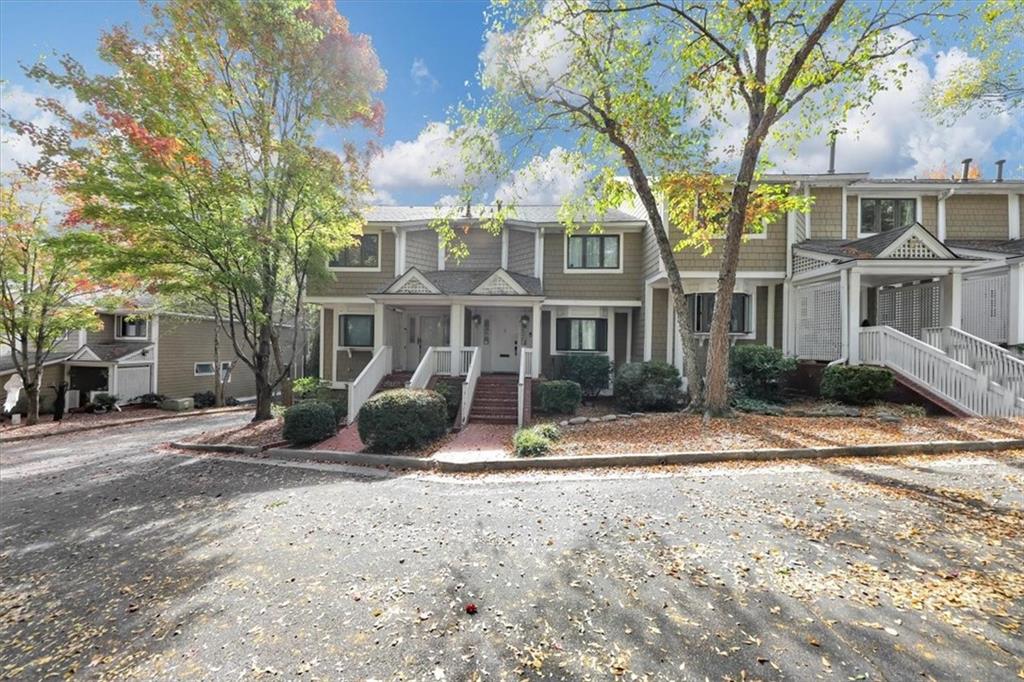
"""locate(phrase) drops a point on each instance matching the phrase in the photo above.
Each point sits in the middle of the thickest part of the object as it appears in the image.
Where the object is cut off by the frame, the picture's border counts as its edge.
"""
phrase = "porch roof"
(111, 352)
(7, 361)
(466, 282)
(877, 245)
(1004, 247)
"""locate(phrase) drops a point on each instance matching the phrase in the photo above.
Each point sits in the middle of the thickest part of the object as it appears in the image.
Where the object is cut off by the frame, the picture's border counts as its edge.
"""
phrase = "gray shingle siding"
(358, 283)
(978, 216)
(659, 324)
(768, 253)
(421, 250)
(484, 251)
(520, 251)
(627, 285)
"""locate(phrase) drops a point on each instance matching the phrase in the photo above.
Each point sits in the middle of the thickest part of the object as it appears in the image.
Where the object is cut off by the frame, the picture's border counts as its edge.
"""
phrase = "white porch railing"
(469, 385)
(525, 369)
(441, 360)
(426, 369)
(932, 368)
(360, 390)
(997, 364)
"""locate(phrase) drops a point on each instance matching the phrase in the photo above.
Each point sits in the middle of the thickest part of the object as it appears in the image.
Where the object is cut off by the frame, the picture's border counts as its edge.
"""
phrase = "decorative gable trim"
(84, 353)
(916, 244)
(412, 282)
(806, 261)
(499, 283)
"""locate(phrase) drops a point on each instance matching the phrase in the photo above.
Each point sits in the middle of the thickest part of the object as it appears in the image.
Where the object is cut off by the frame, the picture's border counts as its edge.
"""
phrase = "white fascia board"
(603, 303)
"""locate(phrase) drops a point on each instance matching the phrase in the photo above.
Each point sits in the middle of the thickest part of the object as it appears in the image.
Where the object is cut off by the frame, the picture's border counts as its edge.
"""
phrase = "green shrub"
(756, 406)
(641, 386)
(452, 397)
(531, 442)
(309, 422)
(559, 397)
(204, 399)
(591, 372)
(856, 384)
(402, 419)
(339, 407)
(105, 401)
(548, 430)
(307, 387)
(758, 369)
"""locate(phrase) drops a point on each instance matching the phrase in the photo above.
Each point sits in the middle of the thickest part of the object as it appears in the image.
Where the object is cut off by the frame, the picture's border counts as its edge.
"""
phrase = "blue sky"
(430, 51)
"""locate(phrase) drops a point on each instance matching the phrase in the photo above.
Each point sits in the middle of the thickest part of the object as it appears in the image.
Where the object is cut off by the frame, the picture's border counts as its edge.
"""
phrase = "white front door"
(505, 333)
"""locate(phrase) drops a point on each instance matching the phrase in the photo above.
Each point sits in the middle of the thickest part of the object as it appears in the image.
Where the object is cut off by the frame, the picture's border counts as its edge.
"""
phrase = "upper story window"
(879, 215)
(702, 309)
(356, 330)
(581, 334)
(365, 254)
(131, 327)
(593, 252)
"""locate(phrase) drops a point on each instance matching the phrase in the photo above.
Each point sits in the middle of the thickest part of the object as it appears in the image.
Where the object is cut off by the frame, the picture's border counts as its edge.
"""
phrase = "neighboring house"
(872, 259)
(138, 352)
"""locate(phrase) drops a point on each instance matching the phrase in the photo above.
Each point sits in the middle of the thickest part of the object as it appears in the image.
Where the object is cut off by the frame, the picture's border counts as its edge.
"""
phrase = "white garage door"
(133, 382)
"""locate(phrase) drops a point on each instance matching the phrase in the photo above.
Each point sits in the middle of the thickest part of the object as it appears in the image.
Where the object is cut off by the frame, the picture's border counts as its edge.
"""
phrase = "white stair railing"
(426, 369)
(469, 385)
(997, 364)
(525, 370)
(360, 390)
(934, 369)
(443, 359)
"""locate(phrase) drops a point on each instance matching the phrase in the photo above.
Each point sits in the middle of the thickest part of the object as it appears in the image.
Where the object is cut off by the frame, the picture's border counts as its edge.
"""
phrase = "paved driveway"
(120, 560)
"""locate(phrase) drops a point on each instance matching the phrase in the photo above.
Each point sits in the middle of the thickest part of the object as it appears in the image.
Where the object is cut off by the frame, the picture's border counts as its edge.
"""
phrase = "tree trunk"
(263, 397)
(32, 394)
(218, 379)
(287, 395)
(262, 372)
(716, 381)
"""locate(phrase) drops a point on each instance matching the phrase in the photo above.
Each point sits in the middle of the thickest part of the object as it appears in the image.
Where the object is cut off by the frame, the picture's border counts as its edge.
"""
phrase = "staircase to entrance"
(496, 400)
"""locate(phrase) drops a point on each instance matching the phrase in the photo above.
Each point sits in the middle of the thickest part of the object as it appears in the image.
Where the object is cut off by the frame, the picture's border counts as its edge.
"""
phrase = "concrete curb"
(219, 447)
(123, 422)
(621, 460)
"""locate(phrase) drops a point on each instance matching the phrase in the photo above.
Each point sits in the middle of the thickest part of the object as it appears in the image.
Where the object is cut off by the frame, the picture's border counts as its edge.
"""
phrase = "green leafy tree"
(644, 85)
(200, 163)
(45, 293)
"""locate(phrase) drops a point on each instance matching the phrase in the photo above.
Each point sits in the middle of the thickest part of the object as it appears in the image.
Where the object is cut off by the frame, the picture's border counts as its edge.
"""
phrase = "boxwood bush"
(757, 370)
(535, 441)
(309, 422)
(642, 386)
(559, 397)
(452, 395)
(591, 372)
(856, 384)
(402, 419)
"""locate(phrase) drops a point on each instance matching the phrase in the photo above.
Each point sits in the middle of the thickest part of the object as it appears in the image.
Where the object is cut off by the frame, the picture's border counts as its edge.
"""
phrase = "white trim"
(212, 372)
(154, 382)
(538, 255)
(844, 313)
(504, 277)
(629, 335)
(807, 216)
(566, 270)
(617, 303)
(769, 333)
(843, 213)
(751, 310)
(504, 248)
(412, 273)
(323, 348)
(338, 336)
(85, 354)
(895, 194)
(1013, 216)
(648, 321)
(331, 300)
(400, 255)
(441, 253)
(117, 327)
(925, 236)
(741, 274)
(380, 250)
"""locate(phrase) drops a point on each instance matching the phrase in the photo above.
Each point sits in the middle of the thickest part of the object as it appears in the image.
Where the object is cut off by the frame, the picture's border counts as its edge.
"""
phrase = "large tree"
(45, 293)
(202, 160)
(653, 86)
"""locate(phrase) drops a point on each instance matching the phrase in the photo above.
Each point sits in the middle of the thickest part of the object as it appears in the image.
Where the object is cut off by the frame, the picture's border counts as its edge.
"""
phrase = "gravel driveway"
(120, 559)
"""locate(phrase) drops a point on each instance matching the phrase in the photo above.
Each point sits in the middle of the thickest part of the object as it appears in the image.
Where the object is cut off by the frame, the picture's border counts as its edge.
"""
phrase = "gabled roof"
(7, 361)
(110, 352)
(884, 245)
(1008, 247)
(464, 283)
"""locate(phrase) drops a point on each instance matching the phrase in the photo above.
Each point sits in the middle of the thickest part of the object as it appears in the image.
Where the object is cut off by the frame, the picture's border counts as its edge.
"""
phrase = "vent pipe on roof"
(966, 169)
(832, 151)
(999, 170)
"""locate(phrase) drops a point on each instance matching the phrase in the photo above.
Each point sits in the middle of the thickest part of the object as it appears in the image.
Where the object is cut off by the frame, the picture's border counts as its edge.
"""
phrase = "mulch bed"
(267, 432)
(687, 433)
(78, 419)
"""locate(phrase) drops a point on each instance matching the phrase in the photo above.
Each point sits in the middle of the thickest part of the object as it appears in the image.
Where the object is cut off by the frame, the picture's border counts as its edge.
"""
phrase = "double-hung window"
(131, 327)
(581, 334)
(702, 309)
(593, 252)
(879, 215)
(356, 330)
(364, 254)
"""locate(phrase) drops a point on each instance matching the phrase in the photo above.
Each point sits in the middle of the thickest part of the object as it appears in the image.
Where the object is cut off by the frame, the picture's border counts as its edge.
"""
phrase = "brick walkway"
(478, 441)
(346, 440)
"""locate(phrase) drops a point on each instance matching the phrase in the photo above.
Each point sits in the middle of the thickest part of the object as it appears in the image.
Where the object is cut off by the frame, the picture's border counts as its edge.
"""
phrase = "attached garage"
(133, 381)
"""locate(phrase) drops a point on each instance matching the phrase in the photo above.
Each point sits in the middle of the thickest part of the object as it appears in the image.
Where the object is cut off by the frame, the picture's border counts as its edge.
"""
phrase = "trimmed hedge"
(452, 397)
(591, 372)
(402, 419)
(204, 399)
(308, 422)
(559, 397)
(535, 441)
(856, 384)
(642, 386)
(757, 369)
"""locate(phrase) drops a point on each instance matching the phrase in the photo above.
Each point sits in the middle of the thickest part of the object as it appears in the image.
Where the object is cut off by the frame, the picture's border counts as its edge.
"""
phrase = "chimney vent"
(999, 170)
(966, 169)
(832, 151)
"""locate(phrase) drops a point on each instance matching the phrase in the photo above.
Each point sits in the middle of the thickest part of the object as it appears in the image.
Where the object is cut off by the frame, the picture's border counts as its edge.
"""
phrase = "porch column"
(952, 300)
(853, 318)
(1015, 301)
(538, 341)
(788, 346)
(457, 325)
(378, 326)
(844, 314)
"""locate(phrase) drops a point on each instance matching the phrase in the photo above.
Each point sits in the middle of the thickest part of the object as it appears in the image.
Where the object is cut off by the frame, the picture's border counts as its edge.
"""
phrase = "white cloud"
(543, 180)
(20, 104)
(431, 161)
(541, 57)
(421, 76)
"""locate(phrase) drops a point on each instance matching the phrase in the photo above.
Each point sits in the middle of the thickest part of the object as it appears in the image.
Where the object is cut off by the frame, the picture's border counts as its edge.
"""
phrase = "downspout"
(942, 212)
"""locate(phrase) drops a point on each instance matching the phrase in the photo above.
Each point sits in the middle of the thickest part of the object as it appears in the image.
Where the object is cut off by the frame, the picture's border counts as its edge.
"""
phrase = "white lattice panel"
(803, 264)
(986, 307)
(414, 286)
(818, 315)
(496, 286)
(913, 248)
(910, 308)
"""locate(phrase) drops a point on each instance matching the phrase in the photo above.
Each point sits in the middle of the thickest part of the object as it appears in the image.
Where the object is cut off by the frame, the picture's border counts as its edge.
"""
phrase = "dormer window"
(131, 327)
(363, 255)
(880, 215)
